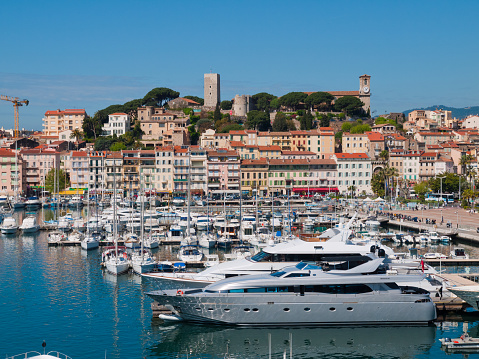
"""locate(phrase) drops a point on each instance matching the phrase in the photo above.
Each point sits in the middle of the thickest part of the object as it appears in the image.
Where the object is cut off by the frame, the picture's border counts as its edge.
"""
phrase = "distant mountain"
(455, 112)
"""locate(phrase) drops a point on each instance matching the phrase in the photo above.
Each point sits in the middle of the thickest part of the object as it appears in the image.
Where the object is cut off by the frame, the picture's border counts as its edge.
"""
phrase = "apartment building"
(354, 172)
(12, 173)
(427, 164)
(57, 121)
(37, 163)
(163, 179)
(254, 176)
(376, 144)
(118, 124)
(355, 142)
(223, 168)
(210, 139)
(76, 164)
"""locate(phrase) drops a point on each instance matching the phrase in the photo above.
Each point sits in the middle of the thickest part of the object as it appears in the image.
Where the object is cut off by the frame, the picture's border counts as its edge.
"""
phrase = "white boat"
(76, 236)
(90, 242)
(459, 253)
(30, 225)
(211, 260)
(178, 202)
(33, 202)
(142, 262)
(308, 224)
(190, 253)
(37, 355)
(463, 344)
(56, 237)
(131, 240)
(116, 260)
(151, 242)
(9, 225)
(203, 223)
(434, 255)
(306, 295)
(207, 240)
(65, 225)
(372, 223)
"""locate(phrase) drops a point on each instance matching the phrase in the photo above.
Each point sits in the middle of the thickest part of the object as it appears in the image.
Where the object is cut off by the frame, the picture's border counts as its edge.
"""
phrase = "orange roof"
(269, 148)
(259, 161)
(66, 112)
(375, 136)
(189, 101)
(6, 153)
(79, 154)
(118, 114)
(236, 144)
(309, 153)
(351, 155)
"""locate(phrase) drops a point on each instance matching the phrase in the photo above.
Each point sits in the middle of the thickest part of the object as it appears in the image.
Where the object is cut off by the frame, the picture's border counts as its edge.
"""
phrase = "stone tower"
(212, 90)
(365, 92)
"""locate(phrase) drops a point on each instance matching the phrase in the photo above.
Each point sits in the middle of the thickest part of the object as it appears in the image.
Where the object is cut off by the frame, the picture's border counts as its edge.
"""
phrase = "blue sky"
(91, 54)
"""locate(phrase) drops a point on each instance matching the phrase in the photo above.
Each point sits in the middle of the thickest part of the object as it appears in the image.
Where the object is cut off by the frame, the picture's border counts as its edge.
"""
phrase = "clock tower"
(365, 92)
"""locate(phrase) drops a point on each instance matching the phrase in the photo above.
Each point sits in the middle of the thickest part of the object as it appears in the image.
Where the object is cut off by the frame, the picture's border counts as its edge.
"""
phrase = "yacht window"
(236, 291)
(255, 290)
(307, 309)
(261, 257)
(392, 285)
(342, 289)
(301, 274)
(278, 274)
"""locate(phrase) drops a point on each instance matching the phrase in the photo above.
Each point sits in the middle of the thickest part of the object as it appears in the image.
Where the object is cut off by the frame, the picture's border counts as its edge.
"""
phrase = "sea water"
(62, 296)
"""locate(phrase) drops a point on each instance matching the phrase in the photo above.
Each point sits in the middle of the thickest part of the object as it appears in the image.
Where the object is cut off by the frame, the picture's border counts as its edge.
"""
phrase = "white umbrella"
(379, 199)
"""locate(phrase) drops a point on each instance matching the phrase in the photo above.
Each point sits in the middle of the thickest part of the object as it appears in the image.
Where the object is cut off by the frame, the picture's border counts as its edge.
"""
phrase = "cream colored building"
(163, 179)
(355, 142)
(57, 121)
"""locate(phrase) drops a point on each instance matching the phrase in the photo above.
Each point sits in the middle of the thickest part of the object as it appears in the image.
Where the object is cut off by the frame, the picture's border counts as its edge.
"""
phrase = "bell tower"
(365, 92)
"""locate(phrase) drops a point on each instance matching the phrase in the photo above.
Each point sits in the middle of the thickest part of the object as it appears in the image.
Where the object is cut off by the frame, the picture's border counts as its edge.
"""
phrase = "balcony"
(180, 180)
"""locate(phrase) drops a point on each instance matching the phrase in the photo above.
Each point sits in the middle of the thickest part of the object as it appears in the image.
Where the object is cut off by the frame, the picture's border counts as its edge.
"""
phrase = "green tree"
(262, 101)
(196, 99)
(274, 104)
(159, 96)
(464, 162)
(57, 180)
(346, 127)
(421, 189)
(91, 127)
(258, 120)
(292, 99)
(306, 121)
(384, 155)
(359, 128)
(377, 183)
(450, 183)
(217, 113)
(117, 146)
(227, 127)
(324, 121)
(323, 100)
(350, 105)
(137, 132)
(226, 105)
(194, 135)
(291, 125)
(280, 123)
(103, 143)
(204, 124)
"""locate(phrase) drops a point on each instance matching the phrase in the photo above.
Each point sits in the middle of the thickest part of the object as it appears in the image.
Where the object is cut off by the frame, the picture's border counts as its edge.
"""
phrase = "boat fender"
(179, 292)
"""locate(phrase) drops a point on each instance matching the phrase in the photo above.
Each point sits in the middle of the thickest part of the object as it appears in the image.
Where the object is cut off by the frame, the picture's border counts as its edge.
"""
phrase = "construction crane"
(16, 104)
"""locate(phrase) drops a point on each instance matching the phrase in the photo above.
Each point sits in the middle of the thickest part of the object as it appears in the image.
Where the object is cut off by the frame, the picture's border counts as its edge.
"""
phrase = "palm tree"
(465, 161)
(76, 134)
(384, 155)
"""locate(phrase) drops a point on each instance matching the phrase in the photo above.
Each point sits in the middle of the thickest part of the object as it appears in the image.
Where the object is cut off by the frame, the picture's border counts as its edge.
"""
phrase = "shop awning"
(316, 189)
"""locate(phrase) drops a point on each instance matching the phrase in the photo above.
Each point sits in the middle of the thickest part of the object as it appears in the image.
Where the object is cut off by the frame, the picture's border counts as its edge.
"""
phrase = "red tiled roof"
(351, 155)
(118, 114)
(375, 136)
(259, 161)
(309, 153)
(79, 154)
(66, 112)
(236, 144)
(6, 153)
(269, 148)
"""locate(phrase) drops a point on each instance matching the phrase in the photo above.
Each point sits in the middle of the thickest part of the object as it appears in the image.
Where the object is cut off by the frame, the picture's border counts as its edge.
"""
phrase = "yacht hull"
(293, 309)
(88, 245)
(117, 268)
(9, 230)
(31, 229)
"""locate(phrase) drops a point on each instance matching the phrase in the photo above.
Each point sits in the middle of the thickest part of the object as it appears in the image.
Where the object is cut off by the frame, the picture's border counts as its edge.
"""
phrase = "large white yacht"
(307, 295)
(9, 225)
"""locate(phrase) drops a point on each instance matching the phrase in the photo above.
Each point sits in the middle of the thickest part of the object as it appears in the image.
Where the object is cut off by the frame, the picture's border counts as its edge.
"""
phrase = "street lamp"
(457, 219)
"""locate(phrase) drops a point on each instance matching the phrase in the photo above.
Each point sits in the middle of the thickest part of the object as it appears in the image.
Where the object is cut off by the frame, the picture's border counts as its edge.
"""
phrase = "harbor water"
(61, 295)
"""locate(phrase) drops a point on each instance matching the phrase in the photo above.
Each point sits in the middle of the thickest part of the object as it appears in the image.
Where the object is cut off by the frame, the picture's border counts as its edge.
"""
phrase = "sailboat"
(142, 262)
(90, 241)
(116, 261)
(189, 251)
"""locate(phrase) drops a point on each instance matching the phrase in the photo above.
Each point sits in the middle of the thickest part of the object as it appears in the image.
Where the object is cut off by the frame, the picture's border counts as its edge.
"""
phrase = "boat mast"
(240, 206)
(142, 228)
(189, 195)
(114, 212)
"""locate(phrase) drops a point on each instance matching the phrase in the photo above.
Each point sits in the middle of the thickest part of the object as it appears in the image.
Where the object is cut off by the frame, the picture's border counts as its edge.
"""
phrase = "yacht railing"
(32, 354)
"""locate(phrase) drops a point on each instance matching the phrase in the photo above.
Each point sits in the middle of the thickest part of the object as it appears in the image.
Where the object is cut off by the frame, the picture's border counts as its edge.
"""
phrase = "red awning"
(316, 189)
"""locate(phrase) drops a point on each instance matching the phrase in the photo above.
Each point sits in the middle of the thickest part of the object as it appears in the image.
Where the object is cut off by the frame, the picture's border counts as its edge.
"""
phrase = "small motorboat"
(30, 225)
(9, 226)
(459, 253)
(434, 255)
(38, 355)
(464, 343)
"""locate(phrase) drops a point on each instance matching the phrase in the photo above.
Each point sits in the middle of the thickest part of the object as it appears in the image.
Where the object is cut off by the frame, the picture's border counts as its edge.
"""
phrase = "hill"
(455, 112)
